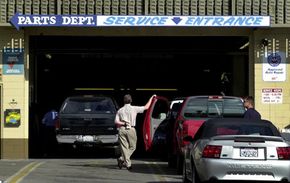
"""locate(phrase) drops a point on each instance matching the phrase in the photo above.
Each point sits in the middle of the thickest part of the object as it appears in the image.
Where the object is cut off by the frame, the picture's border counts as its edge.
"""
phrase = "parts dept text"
(57, 20)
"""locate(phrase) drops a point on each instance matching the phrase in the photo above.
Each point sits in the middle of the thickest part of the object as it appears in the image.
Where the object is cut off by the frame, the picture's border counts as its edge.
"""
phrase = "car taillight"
(283, 153)
(57, 124)
(211, 151)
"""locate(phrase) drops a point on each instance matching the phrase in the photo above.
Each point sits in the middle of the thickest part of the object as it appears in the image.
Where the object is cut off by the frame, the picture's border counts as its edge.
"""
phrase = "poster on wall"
(274, 67)
(272, 96)
(12, 118)
(13, 61)
(0, 74)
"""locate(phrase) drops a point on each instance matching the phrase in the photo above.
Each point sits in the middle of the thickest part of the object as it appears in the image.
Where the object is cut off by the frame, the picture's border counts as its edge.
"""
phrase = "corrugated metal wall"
(279, 10)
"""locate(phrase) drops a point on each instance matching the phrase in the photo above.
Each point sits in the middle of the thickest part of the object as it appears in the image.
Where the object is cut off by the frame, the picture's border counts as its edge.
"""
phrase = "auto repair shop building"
(23, 50)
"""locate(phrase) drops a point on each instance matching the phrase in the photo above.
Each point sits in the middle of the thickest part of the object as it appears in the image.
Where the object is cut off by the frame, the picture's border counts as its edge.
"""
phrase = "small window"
(160, 109)
(227, 131)
(88, 105)
(233, 108)
(204, 108)
(238, 129)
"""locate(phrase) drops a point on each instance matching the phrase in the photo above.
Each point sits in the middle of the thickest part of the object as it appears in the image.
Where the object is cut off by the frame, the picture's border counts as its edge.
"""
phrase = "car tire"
(194, 175)
(172, 161)
(65, 150)
(179, 164)
(117, 152)
(184, 176)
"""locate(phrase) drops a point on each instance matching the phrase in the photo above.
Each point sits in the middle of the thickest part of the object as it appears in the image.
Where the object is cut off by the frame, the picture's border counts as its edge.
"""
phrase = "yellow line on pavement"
(17, 177)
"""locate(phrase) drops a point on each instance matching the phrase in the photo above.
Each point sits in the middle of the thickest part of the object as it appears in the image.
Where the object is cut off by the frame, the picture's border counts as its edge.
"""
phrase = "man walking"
(126, 120)
(251, 112)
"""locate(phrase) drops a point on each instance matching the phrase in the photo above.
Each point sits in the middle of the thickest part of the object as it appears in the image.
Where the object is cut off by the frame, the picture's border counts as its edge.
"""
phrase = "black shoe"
(120, 163)
(129, 168)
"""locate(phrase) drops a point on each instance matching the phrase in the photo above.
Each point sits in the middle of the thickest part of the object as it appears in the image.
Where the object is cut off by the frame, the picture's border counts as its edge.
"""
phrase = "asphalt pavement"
(100, 170)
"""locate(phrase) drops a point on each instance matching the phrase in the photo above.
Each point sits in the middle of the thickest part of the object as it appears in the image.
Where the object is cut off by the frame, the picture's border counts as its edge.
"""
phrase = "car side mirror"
(188, 138)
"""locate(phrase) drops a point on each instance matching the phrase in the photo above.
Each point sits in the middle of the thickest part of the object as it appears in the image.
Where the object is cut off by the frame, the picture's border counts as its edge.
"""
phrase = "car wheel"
(171, 161)
(179, 164)
(117, 152)
(184, 176)
(65, 150)
(194, 175)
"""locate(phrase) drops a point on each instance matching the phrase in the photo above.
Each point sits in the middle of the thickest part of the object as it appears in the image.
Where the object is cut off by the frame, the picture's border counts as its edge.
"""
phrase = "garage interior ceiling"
(69, 44)
(166, 65)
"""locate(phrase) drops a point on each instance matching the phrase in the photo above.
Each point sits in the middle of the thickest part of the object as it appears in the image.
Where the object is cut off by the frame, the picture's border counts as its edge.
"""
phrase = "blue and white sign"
(187, 21)
(13, 61)
(142, 21)
(274, 67)
(53, 20)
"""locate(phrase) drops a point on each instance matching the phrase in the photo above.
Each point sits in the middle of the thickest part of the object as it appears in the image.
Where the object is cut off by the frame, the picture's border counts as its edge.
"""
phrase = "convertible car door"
(154, 116)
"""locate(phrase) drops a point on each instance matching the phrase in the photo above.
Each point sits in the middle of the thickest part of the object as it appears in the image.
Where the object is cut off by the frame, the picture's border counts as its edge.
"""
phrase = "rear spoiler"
(248, 138)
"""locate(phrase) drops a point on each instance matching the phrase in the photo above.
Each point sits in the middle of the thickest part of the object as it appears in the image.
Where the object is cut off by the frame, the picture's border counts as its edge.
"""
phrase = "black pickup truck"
(88, 121)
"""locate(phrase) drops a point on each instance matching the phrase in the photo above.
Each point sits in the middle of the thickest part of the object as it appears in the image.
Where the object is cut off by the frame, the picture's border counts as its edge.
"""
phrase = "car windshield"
(205, 108)
(88, 105)
(237, 129)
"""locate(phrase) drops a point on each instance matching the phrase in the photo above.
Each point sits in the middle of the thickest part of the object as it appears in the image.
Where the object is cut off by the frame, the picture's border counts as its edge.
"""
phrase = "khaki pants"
(127, 140)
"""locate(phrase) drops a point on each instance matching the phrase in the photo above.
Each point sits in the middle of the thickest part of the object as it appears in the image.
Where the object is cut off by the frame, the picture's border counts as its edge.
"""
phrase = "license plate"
(88, 138)
(249, 152)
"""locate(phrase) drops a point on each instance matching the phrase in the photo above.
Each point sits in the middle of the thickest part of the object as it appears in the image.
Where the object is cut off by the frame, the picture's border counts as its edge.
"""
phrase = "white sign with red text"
(272, 95)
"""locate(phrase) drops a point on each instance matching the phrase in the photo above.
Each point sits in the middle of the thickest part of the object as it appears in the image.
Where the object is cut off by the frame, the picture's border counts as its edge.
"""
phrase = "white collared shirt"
(129, 113)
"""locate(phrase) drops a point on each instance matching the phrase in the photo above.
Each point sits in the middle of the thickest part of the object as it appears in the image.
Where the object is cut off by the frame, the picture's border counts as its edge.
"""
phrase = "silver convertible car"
(237, 149)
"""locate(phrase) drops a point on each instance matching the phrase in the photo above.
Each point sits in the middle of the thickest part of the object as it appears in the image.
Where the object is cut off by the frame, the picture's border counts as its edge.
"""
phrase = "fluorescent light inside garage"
(94, 89)
(123, 89)
(156, 89)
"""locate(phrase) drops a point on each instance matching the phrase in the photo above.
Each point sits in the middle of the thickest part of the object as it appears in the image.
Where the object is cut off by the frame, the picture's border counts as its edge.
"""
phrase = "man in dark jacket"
(49, 136)
(251, 112)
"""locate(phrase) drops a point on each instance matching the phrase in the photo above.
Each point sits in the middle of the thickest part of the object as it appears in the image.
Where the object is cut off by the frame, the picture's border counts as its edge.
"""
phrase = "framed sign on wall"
(12, 118)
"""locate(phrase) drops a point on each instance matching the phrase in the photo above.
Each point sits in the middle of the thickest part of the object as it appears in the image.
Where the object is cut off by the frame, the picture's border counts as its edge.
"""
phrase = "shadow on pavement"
(139, 166)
